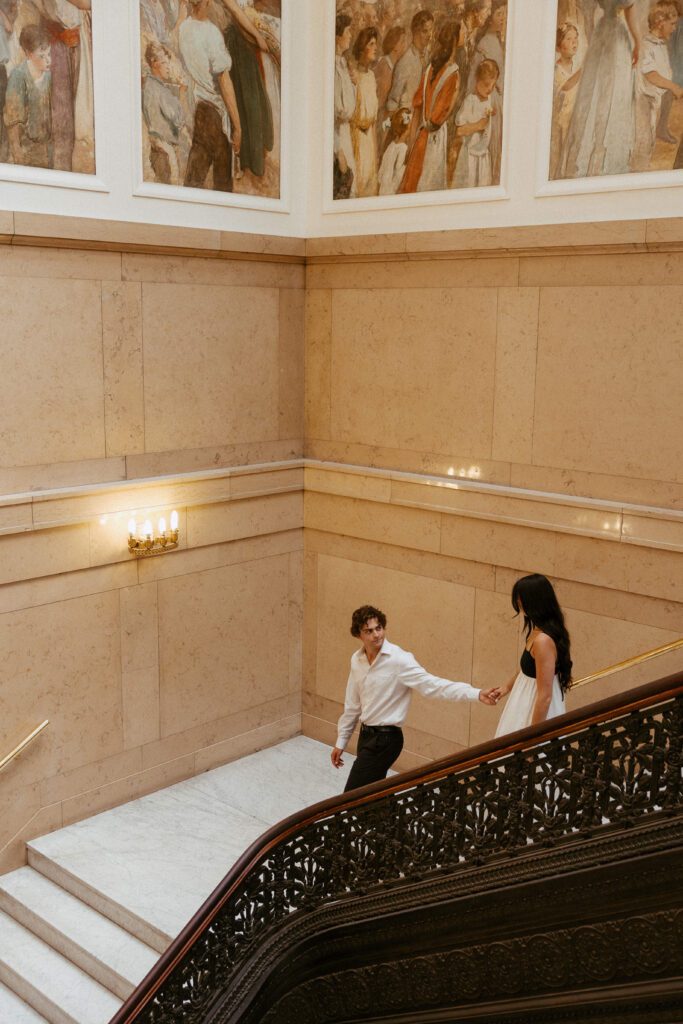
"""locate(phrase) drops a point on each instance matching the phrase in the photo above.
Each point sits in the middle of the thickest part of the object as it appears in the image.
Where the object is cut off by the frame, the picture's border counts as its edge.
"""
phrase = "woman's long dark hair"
(535, 598)
(445, 44)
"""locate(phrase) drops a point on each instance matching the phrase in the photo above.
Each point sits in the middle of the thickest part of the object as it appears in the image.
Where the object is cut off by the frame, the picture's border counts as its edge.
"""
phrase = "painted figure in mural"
(600, 133)
(175, 85)
(475, 166)
(344, 108)
(66, 24)
(653, 81)
(217, 129)
(566, 80)
(363, 131)
(28, 114)
(617, 104)
(393, 165)
(433, 104)
(421, 54)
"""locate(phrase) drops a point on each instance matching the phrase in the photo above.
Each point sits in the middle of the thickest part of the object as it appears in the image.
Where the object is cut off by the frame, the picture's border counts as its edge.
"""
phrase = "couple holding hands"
(383, 676)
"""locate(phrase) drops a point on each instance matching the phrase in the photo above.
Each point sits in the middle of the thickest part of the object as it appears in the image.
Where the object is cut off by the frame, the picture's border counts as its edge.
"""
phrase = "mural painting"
(46, 85)
(211, 94)
(618, 88)
(418, 95)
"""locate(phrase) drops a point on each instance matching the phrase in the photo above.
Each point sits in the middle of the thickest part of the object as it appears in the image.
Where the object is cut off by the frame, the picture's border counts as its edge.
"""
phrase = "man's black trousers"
(378, 748)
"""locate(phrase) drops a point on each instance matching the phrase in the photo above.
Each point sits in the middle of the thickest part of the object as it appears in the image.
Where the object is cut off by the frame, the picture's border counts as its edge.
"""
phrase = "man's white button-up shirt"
(379, 694)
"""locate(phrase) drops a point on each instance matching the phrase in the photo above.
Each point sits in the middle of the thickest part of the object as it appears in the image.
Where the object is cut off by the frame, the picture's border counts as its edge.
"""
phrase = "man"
(27, 105)
(208, 64)
(409, 68)
(378, 693)
(344, 107)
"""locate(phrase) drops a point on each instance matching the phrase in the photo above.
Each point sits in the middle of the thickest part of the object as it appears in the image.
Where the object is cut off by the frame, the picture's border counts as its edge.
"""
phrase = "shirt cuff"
(341, 742)
(474, 692)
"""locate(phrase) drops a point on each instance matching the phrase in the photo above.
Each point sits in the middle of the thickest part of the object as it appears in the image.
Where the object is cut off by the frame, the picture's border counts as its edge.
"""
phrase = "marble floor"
(84, 922)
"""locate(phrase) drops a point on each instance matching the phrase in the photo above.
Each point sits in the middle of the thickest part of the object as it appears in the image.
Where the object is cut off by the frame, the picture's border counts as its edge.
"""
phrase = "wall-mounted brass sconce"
(142, 542)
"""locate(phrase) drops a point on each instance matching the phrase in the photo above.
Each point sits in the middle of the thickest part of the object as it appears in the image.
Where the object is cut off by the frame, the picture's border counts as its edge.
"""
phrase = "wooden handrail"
(601, 711)
(637, 659)
(24, 743)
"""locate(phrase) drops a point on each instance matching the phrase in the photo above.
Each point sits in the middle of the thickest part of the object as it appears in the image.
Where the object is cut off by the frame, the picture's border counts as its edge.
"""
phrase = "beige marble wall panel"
(356, 245)
(122, 790)
(236, 241)
(387, 524)
(140, 664)
(549, 236)
(457, 465)
(223, 637)
(431, 618)
(417, 274)
(667, 229)
(23, 556)
(607, 387)
(65, 587)
(246, 485)
(221, 272)
(18, 804)
(117, 232)
(213, 556)
(62, 662)
(296, 620)
(515, 380)
(124, 411)
(317, 395)
(531, 511)
(420, 563)
(648, 611)
(210, 733)
(78, 264)
(528, 550)
(351, 485)
(13, 854)
(439, 400)
(498, 640)
(6, 224)
(212, 352)
(599, 641)
(20, 479)
(291, 354)
(215, 524)
(627, 270)
(598, 485)
(52, 387)
(654, 573)
(90, 776)
(15, 517)
(239, 746)
(219, 456)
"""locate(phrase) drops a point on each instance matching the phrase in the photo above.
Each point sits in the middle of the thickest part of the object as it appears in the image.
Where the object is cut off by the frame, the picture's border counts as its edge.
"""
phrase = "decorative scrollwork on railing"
(601, 778)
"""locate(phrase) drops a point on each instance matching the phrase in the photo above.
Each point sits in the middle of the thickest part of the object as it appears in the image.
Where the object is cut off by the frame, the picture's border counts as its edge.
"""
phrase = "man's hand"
(336, 757)
(491, 696)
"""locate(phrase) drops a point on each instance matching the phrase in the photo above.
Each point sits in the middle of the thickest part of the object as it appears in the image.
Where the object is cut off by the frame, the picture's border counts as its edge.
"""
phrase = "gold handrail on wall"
(24, 743)
(637, 659)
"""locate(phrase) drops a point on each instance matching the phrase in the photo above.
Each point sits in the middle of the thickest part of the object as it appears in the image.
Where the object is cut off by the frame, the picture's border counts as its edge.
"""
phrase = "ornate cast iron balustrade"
(603, 768)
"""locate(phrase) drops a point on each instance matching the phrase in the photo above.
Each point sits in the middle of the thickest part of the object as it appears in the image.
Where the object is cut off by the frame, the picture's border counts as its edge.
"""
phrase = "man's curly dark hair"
(363, 615)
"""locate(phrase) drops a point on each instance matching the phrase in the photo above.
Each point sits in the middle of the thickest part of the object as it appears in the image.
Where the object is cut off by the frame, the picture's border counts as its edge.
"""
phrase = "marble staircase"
(83, 923)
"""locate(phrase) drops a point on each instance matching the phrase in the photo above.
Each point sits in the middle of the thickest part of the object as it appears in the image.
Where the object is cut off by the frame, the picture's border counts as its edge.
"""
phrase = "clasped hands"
(491, 696)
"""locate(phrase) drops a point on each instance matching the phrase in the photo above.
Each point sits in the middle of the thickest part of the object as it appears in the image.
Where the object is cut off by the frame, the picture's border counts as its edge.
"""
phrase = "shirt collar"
(386, 648)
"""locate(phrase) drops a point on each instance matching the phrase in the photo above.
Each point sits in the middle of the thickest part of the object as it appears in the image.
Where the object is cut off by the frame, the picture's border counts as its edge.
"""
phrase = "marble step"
(14, 1010)
(48, 982)
(99, 947)
(148, 865)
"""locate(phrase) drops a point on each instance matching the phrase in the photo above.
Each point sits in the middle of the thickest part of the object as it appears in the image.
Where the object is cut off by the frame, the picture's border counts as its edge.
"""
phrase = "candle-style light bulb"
(131, 527)
(162, 526)
(147, 529)
(174, 521)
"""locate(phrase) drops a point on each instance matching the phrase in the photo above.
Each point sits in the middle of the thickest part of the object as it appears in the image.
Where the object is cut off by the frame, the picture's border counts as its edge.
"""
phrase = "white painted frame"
(578, 186)
(440, 197)
(182, 193)
(102, 19)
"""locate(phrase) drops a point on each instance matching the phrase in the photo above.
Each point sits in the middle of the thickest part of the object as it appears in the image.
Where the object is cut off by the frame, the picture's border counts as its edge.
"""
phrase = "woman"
(600, 133)
(564, 90)
(363, 134)
(491, 46)
(247, 46)
(434, 102)
(537, 691)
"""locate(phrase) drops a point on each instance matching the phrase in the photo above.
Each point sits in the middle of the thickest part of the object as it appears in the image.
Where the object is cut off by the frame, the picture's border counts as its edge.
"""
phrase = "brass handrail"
(637, 659)
(24, 743)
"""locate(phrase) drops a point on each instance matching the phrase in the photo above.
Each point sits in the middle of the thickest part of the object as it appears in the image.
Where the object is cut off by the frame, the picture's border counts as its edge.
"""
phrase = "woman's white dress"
(519, 706)
(600, 134)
